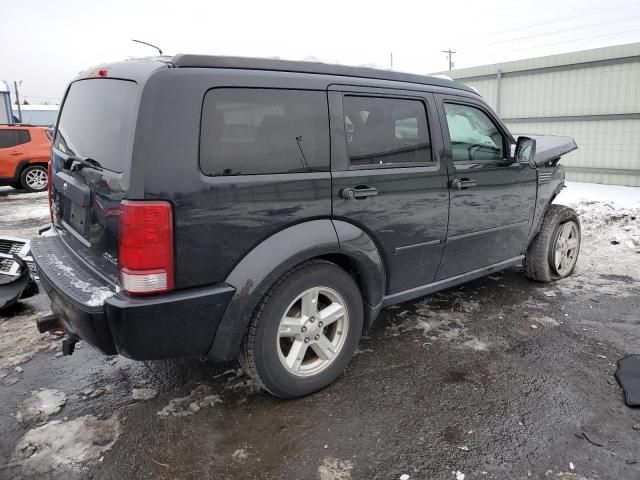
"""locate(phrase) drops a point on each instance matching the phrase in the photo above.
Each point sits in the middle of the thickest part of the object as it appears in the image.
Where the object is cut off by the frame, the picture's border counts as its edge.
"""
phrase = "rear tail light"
(146, 246)
(50, 189)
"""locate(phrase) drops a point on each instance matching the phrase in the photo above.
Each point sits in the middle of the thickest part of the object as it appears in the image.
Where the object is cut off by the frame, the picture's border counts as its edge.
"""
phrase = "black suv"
(265, 209)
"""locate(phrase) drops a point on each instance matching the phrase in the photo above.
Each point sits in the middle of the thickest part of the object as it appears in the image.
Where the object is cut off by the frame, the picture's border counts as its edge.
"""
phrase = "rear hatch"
(91, 161)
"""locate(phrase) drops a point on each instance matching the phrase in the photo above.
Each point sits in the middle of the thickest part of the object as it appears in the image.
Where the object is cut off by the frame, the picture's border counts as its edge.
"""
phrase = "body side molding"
(449, 282)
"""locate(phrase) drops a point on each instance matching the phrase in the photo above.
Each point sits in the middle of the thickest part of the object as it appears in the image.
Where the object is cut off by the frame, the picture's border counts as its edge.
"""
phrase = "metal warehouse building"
(591, 95)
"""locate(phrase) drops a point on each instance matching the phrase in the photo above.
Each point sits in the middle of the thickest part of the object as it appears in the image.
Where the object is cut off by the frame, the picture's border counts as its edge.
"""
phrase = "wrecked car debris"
(17, 271)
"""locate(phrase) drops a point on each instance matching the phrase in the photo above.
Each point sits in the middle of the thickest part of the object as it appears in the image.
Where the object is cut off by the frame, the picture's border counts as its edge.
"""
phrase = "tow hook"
(69, 345)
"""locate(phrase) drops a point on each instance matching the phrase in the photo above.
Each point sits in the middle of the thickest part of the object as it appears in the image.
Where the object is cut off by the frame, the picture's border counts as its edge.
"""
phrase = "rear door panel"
(407, 219)
(10, 152)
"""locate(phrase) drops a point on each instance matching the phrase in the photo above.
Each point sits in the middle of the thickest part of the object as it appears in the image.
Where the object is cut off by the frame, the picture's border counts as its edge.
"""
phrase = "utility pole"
(449, 53)
(15, 86)
(391, 56)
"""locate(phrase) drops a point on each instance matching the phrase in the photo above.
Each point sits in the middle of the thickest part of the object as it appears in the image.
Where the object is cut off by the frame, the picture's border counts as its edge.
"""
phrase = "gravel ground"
(501, 378)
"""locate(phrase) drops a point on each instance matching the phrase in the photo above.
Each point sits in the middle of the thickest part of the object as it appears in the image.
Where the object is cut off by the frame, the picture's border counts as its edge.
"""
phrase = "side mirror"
(525, 150)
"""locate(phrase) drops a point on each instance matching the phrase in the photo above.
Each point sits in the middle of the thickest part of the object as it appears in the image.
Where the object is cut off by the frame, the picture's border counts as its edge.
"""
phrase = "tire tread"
(246, 356)
(536, 264)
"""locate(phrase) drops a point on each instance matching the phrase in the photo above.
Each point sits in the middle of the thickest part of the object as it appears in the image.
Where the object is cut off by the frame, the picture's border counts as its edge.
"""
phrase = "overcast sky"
(45, 43)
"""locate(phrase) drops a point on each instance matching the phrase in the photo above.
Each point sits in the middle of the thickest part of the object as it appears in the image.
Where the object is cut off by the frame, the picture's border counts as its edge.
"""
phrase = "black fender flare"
(546, 194)
(263, 265)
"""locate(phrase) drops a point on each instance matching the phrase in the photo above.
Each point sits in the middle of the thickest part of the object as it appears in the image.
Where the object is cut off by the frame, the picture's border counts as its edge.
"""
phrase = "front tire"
(553, 253)
(34, 178)
(304, 331)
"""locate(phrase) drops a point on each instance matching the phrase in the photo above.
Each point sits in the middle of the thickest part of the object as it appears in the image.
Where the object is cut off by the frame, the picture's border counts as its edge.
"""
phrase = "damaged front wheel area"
(553, 253)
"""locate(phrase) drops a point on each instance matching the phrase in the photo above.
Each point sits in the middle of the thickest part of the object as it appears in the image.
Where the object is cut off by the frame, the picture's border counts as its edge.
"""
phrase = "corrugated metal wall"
(592, 95)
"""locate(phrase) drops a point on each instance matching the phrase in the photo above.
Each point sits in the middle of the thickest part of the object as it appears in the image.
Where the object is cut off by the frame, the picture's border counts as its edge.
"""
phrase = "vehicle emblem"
(64, 187)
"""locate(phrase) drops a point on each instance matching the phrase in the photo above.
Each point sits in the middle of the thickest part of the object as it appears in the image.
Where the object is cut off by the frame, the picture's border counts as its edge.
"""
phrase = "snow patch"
(610, 250)
(240, 454)
(476, 344)
(442, 325)
(335, 469)
(143, 394)
(98, 297)
(59, 444)
(200, 397)
(31, 212)
(547, 321)
(569, 476)
(20, 341)
(40, 405)
(616, 195)
(98, 294)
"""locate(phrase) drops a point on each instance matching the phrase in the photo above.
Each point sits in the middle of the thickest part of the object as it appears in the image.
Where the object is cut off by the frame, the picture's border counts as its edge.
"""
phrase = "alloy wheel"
(565, 253)
(36, 179)
(312, 331)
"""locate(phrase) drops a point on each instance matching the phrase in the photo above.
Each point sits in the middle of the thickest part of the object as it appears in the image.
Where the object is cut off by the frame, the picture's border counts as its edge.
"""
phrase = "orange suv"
(24, 155)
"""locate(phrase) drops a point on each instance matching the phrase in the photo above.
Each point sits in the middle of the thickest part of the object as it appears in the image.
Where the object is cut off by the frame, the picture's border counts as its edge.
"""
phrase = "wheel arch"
(546, 194)
(260, 268)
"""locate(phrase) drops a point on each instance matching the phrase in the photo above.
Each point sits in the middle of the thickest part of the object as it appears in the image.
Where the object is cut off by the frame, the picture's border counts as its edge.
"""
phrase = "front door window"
(473, 134)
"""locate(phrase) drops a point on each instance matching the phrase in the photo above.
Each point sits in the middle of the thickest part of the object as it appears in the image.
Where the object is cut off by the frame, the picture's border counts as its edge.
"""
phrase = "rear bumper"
(177, 324)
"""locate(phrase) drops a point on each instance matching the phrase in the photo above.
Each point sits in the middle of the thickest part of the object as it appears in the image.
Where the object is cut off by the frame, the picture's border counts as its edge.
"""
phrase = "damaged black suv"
(268, 210)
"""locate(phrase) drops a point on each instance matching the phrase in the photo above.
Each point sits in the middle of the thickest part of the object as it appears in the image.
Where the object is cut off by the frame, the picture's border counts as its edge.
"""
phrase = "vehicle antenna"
(149, 44)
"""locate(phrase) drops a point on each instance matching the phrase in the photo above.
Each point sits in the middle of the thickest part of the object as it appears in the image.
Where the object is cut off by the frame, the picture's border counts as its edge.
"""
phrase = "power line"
(552, 21)
(550, 33)
(571, 41)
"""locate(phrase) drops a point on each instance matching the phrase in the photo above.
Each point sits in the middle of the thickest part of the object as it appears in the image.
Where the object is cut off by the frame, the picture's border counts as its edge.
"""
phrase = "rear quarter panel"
(217, 220)
(38, 150)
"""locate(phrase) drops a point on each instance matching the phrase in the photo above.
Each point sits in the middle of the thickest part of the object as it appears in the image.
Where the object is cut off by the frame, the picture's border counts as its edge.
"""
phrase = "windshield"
(97, 120)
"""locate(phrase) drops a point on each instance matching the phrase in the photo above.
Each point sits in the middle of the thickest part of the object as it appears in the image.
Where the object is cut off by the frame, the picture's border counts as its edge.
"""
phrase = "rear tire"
(34, 178)
(304, 331)
(553, 253)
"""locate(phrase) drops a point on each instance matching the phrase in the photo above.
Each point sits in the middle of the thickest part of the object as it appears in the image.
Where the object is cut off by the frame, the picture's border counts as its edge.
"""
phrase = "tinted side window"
(261, 131)
(384, 131)
(22, 136)
(7, 139)
(473, 134)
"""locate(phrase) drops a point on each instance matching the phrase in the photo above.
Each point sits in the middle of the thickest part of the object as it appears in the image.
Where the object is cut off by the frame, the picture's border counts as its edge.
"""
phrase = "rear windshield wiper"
(74, 163)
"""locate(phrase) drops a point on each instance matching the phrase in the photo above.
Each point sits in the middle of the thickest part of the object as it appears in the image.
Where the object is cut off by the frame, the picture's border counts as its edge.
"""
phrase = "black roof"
(213, 61)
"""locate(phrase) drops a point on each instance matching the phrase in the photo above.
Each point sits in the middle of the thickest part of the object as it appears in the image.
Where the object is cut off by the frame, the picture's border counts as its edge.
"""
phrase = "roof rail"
(248, 63)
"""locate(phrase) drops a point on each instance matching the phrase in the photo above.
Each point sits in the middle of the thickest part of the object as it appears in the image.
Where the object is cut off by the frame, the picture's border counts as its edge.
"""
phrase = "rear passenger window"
(263, 131)
(7, 139)
(386, 131)
(22, 136)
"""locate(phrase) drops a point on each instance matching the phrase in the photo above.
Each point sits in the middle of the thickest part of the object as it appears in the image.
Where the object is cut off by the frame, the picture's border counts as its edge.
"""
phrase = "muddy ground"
(502, 378)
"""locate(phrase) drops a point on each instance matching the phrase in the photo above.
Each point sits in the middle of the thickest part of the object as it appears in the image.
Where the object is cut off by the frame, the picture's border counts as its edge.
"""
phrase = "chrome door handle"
(361, 191)
(462, 183)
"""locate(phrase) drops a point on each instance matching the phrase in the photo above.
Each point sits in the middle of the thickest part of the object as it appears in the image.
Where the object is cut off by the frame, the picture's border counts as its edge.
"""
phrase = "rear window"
(22, 137)
(97, 120)
(12, 138)
(7, 139)
(259, 131)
